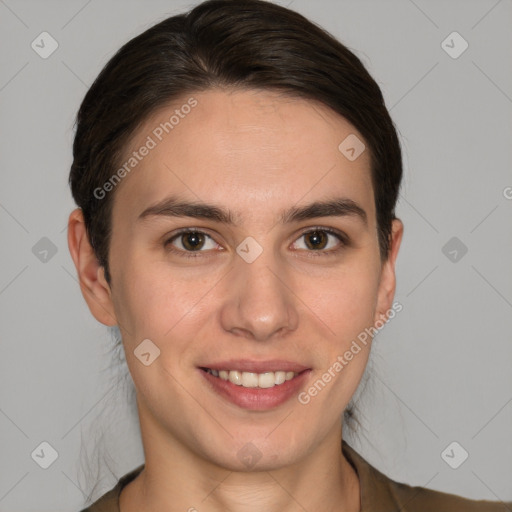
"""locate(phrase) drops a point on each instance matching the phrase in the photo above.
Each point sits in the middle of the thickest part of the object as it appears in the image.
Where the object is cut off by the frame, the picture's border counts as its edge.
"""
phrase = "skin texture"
(256, 153)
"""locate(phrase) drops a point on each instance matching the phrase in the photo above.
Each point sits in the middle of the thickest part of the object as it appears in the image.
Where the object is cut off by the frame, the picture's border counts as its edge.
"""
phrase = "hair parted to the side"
(226, 44)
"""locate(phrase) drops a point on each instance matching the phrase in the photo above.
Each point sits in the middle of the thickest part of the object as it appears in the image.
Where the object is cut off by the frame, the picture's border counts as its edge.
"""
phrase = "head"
(267, 140)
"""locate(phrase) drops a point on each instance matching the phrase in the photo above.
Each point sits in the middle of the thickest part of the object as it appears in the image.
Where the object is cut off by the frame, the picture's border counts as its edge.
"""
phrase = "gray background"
(440, 370)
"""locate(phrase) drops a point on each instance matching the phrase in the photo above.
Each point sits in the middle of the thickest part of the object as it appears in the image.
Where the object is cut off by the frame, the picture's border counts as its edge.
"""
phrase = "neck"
(176, 478)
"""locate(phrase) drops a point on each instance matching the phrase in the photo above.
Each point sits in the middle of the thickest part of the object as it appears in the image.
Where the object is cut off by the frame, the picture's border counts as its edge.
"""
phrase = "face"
(261, 282)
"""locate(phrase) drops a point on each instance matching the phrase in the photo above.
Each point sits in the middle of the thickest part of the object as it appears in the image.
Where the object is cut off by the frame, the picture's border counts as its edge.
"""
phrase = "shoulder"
(421, 499)
(109, 502)
(378, 492)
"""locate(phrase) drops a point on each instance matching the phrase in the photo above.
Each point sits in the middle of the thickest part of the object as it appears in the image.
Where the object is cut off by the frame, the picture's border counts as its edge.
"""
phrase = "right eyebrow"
(173, 207)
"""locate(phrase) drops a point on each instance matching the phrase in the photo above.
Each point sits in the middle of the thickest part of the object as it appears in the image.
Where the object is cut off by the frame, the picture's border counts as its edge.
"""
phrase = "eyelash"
(342, 238)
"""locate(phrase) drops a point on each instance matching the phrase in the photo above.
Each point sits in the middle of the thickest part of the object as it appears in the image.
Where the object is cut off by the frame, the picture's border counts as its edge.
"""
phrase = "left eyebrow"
(174, 207)
(339, 207)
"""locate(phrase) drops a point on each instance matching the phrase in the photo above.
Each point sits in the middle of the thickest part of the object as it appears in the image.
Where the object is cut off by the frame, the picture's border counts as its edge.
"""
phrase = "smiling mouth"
(253, 380)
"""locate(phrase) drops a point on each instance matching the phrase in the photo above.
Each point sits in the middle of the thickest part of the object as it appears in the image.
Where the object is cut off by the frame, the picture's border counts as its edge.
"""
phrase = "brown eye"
(189, 242)
(192, 240)
(322, 242)
(316, 239)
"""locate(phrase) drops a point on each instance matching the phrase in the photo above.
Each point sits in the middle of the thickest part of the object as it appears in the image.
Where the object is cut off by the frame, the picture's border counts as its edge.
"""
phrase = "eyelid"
(342, 238)
(333, 231)
(187, 254)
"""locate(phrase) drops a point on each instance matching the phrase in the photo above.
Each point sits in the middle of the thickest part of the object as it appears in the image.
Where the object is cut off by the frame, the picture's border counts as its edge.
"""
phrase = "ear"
(91, 274)
(387, 284)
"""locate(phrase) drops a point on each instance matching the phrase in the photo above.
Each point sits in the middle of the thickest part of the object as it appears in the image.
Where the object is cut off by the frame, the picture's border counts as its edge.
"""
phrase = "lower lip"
(256, 399)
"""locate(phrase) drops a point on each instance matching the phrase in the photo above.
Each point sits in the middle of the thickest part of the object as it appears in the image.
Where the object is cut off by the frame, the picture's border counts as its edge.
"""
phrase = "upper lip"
(248, 365)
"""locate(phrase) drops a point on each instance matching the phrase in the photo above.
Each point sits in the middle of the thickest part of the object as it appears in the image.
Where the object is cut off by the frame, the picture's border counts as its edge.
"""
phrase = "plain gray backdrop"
(441, 369)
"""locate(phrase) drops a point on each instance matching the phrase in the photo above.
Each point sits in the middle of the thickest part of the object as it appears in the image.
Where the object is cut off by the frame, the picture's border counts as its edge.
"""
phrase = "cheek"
(345, 303)
(154, 303)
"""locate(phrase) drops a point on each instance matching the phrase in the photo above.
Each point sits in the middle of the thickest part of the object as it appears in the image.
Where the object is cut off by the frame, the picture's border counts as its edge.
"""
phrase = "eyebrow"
(174, 207)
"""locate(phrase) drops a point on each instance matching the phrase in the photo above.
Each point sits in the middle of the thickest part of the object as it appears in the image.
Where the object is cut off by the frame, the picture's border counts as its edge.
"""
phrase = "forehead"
(249, 149)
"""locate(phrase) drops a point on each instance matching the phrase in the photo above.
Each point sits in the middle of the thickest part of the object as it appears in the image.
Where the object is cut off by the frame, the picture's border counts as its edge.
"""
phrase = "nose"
(260, 303)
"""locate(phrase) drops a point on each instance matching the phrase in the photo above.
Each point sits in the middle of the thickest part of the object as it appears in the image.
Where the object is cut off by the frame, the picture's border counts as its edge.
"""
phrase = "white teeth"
(280, 377)
(253, 380)
(249, 380)
(235, 378)
(266, 380)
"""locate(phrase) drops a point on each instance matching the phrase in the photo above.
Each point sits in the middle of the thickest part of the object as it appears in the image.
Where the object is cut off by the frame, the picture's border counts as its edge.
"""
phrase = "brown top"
(378, 493)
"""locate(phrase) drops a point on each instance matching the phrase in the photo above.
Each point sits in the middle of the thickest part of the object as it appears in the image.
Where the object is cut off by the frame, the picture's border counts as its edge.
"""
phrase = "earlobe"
(91, 276)
(387, 284)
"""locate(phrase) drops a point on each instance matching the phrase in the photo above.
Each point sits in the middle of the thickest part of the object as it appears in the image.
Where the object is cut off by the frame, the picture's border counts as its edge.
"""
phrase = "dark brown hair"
(249, 44)
(230, 44)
